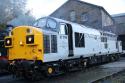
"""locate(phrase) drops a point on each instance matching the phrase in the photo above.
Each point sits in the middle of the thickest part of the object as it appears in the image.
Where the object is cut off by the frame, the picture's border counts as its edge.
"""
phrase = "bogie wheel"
(49, 71)
(86, 63)
(37, 75)
(112, 58)
(33, 75)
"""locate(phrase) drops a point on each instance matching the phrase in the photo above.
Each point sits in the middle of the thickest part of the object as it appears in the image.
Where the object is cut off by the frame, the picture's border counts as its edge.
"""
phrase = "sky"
(42, 8)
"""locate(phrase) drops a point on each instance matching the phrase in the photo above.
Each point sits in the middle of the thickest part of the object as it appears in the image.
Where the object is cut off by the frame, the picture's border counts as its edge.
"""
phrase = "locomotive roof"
(79, 27)
(85, 29)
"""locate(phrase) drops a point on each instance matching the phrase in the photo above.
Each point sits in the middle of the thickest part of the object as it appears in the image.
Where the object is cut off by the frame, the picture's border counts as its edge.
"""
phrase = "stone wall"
(84, 13)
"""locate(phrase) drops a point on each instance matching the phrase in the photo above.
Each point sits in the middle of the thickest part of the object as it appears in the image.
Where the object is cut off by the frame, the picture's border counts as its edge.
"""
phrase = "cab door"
(70, 39)
(119, 45)
(66, 33)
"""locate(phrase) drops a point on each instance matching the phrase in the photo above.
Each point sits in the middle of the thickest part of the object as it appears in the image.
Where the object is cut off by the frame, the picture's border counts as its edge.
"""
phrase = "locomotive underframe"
(36, 70)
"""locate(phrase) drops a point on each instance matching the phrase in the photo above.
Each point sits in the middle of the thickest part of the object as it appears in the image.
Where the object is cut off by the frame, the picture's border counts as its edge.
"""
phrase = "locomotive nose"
(25, 43)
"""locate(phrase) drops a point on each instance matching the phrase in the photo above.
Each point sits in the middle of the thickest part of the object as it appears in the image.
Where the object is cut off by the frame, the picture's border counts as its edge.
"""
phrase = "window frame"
(79, 42)
(53, 44)
(48, 49)
(37, 24)
(73, 15)
(84, 17)
(65, 29)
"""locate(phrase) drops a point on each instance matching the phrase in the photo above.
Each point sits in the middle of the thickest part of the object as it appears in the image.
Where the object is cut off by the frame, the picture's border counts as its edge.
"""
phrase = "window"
(106, 45)
(63, 29)
(79, 40)
(72, 15)
(61, 17)
(53, 43)
(84, 17)
(116, 45)
(46, 23)
(103, 39)
(46, 44)
(120, 43)
(41, 22)
(51, 24)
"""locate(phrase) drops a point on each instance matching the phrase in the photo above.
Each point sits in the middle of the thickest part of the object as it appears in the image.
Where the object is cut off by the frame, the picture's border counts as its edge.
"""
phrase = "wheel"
(86, 63)
(112, 58)
(37, 75)
(53, 70)
(49, 71)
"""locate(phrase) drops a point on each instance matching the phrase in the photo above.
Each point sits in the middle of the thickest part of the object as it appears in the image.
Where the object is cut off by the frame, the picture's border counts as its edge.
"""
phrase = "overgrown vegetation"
(11, 9)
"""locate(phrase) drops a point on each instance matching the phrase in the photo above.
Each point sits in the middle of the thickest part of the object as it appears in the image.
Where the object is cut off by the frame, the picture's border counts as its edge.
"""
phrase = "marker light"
(30, 39)
(8, 41)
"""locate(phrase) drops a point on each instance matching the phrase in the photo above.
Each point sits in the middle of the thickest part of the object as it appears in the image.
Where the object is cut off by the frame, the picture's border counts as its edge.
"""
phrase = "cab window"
(51, 24)
(46, 23)
(63, 29)
(40, 23)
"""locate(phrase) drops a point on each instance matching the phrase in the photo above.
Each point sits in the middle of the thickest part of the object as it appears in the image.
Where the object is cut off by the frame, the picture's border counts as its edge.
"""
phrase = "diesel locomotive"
(54, 46)
(3, 51)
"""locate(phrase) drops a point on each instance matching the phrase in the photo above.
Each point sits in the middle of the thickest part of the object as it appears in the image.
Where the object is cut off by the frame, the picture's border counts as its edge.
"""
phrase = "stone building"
(85, 13)
(120, 23)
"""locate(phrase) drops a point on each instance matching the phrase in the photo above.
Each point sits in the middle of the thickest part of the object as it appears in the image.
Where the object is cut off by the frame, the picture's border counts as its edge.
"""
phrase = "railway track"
(96, 74)
(111, 78)
(114, 77)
